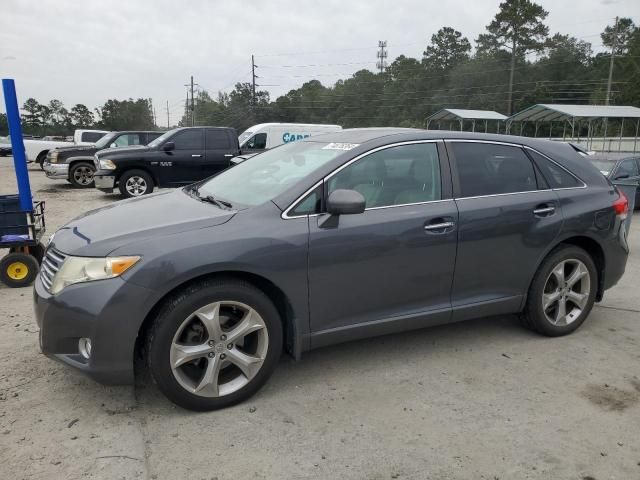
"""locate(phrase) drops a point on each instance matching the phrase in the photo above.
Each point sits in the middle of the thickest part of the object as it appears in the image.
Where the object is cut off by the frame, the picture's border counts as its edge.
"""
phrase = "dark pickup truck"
(179, 157)
(75, 163)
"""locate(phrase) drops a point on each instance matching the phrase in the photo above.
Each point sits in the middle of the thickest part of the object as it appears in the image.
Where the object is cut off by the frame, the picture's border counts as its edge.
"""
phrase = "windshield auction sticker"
(340, 146)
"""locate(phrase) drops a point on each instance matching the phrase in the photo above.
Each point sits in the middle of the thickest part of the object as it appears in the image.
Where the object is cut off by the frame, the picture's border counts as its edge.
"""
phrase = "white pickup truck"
(36, 150)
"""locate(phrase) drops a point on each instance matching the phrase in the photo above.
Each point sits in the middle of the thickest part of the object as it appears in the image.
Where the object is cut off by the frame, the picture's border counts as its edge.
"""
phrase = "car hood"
(99, 232)
(123, 150)
(76, 150)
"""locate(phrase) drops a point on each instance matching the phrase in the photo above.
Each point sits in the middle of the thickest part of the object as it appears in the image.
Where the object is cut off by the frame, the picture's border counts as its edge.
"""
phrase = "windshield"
(106, 140)
(162, 138)
(604, 166)
(265, 176)
(244, 135)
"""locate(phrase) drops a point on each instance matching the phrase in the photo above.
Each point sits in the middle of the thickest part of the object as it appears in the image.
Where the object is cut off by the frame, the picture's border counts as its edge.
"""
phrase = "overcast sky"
(89, 51)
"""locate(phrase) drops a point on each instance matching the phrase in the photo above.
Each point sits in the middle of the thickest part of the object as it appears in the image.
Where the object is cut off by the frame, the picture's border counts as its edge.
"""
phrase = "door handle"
(544, 210)
(196, 156)
(228, 154)
(435, 227)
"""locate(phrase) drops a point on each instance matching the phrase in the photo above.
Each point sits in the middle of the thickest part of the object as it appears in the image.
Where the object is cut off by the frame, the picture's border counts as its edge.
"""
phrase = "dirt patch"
(612, 398)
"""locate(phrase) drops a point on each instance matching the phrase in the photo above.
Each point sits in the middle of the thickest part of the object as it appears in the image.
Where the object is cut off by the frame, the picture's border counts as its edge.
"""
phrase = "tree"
(32, 117)
(619, 37)
(518, 29)
(4, 124)
(81, 116)
(448, 48)
(127, 115)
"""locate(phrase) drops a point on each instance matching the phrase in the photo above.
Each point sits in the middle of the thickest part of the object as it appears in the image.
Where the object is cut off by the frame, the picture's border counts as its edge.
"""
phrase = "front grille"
(51, 263)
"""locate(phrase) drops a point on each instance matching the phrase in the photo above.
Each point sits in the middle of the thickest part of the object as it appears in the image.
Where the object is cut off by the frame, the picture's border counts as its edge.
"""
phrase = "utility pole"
(193, 108)
(382, 55)
(614, 45)
(253, 81)
(167, 114)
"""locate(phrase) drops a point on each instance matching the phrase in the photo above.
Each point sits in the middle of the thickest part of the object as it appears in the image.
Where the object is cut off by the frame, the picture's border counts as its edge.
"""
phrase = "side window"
(309, 205)
(127, 139)
(216, 139)
(556, 177)
(257, 142)
(393, 176)
(628, 168)
(189, 140)
(489, 169)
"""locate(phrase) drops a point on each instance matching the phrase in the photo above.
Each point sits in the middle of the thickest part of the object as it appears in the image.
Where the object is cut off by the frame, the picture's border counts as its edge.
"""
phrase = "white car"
(36, 150)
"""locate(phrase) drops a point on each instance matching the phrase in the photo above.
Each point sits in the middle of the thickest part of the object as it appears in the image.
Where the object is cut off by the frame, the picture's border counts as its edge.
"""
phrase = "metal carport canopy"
(554, 112)
(448, 114)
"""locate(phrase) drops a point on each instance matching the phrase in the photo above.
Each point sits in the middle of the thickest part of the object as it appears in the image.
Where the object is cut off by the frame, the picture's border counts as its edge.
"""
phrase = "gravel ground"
(484, 399)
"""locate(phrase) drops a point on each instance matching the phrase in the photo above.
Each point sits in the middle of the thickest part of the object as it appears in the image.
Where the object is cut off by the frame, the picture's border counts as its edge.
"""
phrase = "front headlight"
(106, 164)
(53, 156)
(87, 269)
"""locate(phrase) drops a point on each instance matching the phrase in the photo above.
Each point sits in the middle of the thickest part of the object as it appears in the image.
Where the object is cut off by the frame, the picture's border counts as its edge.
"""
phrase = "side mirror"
(167, 147)
(113, 145)
(345, 202)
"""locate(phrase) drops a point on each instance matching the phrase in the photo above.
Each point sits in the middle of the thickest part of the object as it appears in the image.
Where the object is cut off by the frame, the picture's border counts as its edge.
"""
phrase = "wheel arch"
(41, 156)
(291, 339)
(142, 168)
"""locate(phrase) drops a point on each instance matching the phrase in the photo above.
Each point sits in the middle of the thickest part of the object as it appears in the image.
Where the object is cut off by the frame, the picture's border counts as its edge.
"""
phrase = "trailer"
(22, 223)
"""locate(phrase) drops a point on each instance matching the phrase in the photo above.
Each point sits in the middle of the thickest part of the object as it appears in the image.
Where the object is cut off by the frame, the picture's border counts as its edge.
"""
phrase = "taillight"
(621, 205)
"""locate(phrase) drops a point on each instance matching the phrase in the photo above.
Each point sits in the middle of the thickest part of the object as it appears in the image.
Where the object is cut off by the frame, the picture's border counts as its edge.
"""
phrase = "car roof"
(366, 139)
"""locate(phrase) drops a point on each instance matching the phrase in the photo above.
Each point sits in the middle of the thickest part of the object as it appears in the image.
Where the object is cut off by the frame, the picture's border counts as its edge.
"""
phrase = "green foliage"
(448, 48)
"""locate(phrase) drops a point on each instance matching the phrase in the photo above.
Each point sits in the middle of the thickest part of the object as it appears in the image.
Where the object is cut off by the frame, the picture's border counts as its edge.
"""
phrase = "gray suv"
(342, 236)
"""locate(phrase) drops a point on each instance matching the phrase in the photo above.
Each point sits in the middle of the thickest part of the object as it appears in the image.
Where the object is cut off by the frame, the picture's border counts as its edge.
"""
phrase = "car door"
(389, 268)
(219, 149)
(627, 170)
(507, 220)
(182, 164)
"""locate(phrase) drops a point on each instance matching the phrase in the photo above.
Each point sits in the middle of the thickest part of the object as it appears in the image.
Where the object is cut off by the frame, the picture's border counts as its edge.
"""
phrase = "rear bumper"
(109, 312)
(56, 170)
(104, 183)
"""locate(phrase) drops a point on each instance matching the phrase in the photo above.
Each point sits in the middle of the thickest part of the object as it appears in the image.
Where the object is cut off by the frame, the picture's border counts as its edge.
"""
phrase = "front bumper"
(56, 170)
(109, 312)
(104, 183)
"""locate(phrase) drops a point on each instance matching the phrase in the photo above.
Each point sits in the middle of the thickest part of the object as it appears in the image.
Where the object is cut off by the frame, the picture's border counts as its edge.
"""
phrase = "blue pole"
(17, 145)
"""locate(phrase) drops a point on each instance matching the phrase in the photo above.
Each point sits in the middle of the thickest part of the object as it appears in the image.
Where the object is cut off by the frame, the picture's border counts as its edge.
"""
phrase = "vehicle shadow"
(356, 359)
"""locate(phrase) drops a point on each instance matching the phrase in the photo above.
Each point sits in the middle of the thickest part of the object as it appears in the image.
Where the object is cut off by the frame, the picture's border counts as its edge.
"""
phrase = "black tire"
(81, 174)
(533, 316)
(40, 159)
(18, 269)
(143, 178)
(179, 307)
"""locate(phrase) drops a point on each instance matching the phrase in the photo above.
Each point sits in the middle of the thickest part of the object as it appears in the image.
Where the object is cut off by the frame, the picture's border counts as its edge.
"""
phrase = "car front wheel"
(81, 175)
(562, 293)
(135, 183)
(214, 344)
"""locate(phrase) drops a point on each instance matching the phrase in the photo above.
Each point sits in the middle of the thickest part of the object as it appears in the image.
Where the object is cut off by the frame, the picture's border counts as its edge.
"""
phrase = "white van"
(268, 135)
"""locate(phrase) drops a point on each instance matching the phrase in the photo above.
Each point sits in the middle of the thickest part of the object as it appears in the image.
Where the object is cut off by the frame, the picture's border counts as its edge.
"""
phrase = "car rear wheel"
(562, 293)
(81, 175)
(135, 183)
(214, 344)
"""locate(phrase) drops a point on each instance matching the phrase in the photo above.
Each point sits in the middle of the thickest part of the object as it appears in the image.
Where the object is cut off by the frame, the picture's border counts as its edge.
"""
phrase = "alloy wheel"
(83, 175)
(136, 186)
(566, 292)
(219, 348)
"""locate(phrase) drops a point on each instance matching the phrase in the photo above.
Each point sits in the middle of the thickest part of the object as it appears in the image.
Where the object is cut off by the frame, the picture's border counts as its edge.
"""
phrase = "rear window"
(491, 169)
(556, 176)
(91, 137)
